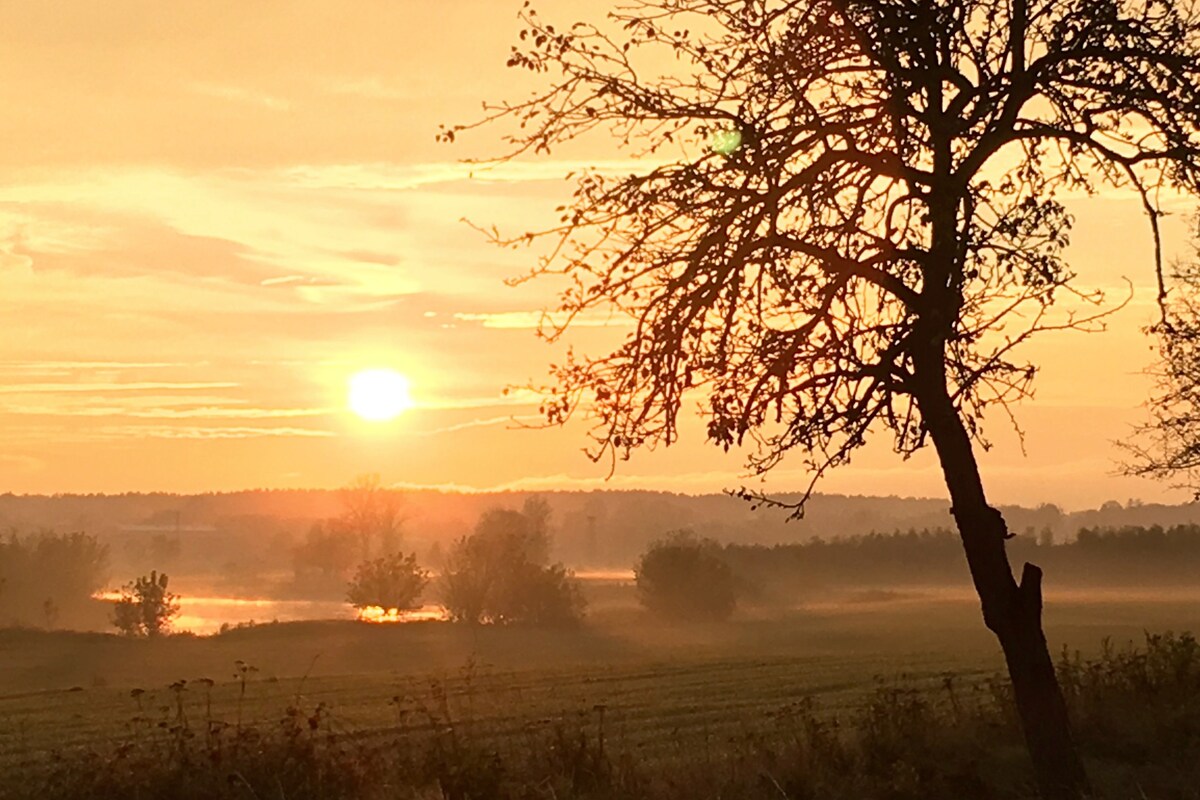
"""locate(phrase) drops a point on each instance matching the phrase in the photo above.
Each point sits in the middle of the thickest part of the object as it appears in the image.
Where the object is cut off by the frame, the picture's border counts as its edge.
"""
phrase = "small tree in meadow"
(500, 573)
(683, 577)
(389, 582)
(146, 607)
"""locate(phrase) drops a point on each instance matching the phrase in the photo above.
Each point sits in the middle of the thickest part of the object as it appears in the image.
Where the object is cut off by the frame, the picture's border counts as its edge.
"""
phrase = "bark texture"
(1012, 610)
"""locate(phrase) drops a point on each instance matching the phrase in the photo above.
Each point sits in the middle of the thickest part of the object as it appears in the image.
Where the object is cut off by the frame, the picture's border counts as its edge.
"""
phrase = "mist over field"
(238, 557)
(862, 592)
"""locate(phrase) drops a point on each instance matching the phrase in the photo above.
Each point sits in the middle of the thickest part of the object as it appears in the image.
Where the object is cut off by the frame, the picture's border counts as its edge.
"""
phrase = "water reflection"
(204, 615)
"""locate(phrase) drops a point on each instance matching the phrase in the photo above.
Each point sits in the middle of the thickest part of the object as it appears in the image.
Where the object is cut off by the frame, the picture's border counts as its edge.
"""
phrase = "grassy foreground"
(790, 707)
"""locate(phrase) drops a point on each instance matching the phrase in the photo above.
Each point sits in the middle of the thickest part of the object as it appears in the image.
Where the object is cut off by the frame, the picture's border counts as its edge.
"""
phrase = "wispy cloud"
(393, 177)
(208, 412)
(514, 420)
(38, 366)
(239, 94)
(519, 320)
(25, 463)
(54, 388)
(193, 432)
(298, 280)
(231, 413)
(514, 397)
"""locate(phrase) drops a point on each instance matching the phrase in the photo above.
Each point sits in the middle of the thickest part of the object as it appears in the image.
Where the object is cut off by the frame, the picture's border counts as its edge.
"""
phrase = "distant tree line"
(1121, 556)
(686, 577)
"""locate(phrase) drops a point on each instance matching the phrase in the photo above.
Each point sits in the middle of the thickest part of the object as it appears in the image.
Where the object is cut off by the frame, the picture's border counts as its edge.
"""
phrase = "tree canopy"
(789, 282)
(850, 219)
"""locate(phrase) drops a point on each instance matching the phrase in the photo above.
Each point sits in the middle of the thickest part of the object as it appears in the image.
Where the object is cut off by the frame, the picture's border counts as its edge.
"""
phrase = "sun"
(379, 394)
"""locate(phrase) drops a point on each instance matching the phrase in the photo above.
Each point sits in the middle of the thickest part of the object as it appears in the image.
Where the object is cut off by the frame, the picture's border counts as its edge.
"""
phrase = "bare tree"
(1168, 446)
(371, 515)
(850, 219)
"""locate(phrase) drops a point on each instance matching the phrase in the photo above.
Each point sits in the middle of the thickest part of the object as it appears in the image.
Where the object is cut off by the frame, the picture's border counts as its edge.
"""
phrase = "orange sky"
(213, 213)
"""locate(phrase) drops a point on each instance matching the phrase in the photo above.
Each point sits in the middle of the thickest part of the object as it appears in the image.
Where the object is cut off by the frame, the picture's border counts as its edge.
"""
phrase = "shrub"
(1137, 702)
(146, 607)
(499, 574)
(389, 582)
(682, 577)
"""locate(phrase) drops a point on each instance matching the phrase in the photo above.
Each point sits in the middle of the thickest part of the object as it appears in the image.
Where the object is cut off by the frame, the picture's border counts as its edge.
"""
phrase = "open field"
(663, 689)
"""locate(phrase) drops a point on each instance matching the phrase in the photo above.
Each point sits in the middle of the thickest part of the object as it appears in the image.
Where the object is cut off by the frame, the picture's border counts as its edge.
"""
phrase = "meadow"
(653, 692)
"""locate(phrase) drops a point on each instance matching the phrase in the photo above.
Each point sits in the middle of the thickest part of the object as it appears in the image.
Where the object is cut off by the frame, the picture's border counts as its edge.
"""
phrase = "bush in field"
(499, 574)
(146, 607)
(389, 582)
(683, 577)
(48, 575)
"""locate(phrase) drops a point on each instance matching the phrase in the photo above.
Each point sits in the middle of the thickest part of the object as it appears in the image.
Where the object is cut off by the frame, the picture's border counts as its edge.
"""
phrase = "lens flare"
(727, 142)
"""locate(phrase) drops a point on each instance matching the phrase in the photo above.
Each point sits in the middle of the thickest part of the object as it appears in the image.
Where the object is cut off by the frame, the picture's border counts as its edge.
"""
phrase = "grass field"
(662, 690)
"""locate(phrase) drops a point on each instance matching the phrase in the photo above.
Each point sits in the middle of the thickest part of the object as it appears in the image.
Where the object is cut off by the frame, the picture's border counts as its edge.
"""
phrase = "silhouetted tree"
(389, 582)
(499, 573)
(683, 577)
(146, 607)
(849, 219)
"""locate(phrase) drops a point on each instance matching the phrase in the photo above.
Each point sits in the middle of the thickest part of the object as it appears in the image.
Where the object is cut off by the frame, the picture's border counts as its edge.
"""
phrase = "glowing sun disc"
(379, 394)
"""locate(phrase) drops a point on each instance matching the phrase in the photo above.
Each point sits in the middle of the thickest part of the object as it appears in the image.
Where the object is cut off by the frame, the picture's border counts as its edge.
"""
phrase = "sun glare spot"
(379, 394)
(378, 614)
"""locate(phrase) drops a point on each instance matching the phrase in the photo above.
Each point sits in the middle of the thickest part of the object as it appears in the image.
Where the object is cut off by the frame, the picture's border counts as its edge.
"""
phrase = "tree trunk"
(1011, 610)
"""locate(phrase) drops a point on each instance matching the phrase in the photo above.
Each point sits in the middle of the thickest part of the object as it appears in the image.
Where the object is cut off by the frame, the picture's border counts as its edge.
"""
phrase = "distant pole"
(591, 544)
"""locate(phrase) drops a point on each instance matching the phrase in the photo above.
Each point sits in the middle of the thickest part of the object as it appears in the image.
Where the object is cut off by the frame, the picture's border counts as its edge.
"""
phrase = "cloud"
(694, 483)
(53, 388)
(522, 320)
(390, 176)
(206, 412)
(240, 94)
(23, 463)
(57, 366)
(231, 413)
(513, 397)
(479, 423)
(182, 432)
